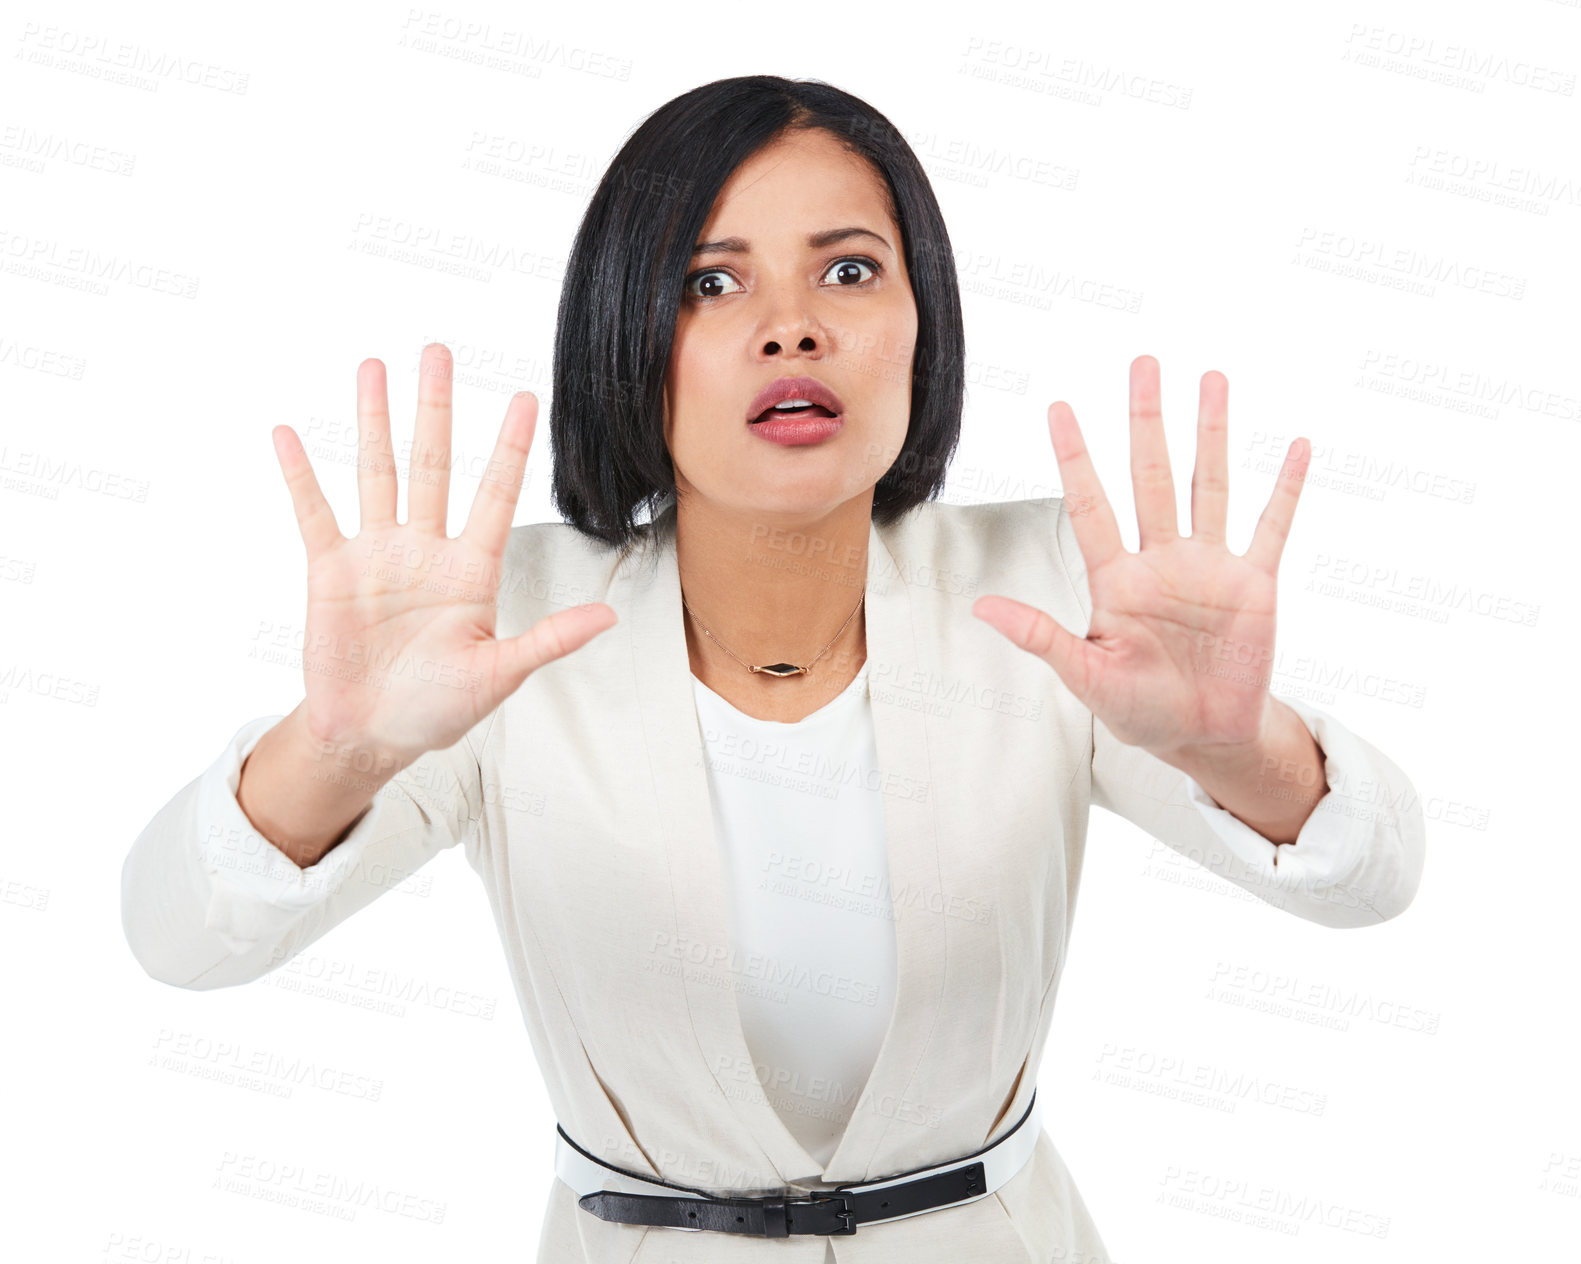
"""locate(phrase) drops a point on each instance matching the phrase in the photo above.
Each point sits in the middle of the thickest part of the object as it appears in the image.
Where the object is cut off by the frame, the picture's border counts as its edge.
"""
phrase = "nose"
(791, 324)
(804, 343)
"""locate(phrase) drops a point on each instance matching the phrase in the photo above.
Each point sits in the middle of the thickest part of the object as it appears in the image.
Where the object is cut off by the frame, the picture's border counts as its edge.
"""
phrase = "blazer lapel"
(674, 740)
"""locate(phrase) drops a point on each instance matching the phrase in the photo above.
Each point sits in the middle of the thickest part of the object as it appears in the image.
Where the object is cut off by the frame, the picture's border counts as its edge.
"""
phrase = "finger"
(552, 637)
(1074, 658)
(1273, 528)
(314, 518)
(489, 522)
(428, 480)
(1210, 480)
(1150, 477)
(1091, 515)
(375, 460)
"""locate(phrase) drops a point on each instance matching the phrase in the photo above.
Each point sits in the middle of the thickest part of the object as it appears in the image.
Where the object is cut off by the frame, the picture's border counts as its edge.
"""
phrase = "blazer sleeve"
(1357, 859)
(207, 901)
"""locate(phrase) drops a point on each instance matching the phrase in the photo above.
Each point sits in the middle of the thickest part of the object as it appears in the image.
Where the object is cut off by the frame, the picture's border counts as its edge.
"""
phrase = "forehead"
(800, 178)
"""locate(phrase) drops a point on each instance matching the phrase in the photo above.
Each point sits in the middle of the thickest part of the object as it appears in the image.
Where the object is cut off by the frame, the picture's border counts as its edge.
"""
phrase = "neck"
(774, 588)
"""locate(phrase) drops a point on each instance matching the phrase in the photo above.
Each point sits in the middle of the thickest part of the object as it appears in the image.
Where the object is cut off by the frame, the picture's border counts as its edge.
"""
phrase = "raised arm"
(305, 818)
(1173, 662)
(208, 901)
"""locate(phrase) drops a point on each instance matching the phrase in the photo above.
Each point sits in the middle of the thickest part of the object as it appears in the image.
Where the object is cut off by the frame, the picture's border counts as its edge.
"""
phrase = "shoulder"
(1022, 548)
(553, 542)
(989, 536)
(552, 566)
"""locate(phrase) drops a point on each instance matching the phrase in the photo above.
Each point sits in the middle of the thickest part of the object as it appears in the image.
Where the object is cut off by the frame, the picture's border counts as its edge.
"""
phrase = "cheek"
(675, 378)
(896, 352)
(897, 333)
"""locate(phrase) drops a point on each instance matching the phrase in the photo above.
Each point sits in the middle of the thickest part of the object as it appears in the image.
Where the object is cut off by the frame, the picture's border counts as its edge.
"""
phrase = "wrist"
(1220, 760)
(348, 758)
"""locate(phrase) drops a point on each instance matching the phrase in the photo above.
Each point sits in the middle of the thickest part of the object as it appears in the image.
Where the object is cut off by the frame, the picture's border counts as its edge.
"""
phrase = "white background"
(1367, 216)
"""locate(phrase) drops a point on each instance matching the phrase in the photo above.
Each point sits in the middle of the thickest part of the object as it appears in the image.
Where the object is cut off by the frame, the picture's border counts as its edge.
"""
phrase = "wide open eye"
(704, 276)
(854, 262)
(715, 287)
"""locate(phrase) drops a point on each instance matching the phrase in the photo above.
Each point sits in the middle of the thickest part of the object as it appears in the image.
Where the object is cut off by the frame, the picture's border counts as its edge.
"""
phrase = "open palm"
(1181, 639)
(399, 654)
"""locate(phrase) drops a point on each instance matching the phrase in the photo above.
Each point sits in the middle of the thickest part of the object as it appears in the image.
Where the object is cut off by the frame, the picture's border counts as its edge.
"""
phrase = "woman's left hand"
(1180, 646)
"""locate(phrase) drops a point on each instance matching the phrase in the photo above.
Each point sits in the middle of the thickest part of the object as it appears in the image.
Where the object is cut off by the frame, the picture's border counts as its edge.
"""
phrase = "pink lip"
(794, 431)
(783, 388)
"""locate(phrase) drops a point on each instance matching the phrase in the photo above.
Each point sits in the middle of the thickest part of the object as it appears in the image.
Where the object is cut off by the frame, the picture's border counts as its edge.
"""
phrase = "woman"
(793, 920)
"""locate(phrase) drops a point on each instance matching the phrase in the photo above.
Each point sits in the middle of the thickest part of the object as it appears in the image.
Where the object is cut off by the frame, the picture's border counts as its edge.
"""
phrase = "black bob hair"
(625, 276)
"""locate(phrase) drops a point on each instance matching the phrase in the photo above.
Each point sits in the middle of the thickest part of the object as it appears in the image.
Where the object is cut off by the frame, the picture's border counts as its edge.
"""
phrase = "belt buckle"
(776, 1219)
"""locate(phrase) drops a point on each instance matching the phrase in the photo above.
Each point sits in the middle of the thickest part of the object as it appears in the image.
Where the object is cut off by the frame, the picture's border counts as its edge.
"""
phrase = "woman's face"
(769, 305)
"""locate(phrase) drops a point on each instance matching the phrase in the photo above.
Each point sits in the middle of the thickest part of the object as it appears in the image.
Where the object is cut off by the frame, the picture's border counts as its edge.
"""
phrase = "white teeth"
(794, 403)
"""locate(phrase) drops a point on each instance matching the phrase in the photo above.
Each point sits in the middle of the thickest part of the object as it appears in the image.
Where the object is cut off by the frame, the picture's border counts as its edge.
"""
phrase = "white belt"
(1001, 1161)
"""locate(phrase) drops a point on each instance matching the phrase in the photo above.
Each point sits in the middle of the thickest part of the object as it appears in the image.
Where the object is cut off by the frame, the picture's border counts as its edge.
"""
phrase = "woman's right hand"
(399, 656)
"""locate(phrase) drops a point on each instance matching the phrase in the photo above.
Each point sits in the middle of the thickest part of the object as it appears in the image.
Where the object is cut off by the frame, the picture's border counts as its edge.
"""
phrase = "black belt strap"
(833, 1211)
(828, 1211)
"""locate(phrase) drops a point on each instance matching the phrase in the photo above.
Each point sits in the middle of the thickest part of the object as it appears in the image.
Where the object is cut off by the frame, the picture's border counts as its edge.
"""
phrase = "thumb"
(1040, 634)
(554, 636)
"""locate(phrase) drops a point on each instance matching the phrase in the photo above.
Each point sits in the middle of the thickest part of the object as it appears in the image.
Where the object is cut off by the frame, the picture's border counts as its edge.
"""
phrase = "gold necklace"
(775, 669)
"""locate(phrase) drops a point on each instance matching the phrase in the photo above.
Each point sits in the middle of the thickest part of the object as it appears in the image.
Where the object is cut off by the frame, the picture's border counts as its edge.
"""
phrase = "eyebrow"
(740, 246)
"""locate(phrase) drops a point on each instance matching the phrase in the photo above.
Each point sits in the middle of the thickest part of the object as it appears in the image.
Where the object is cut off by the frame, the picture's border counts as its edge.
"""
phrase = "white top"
(799, 822)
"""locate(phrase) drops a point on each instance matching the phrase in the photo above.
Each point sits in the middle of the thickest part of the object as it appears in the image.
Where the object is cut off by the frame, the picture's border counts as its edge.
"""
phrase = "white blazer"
(582, 803)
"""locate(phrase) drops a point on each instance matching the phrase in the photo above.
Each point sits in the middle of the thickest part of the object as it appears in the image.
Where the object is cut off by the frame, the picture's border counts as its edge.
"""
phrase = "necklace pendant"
(782, 669)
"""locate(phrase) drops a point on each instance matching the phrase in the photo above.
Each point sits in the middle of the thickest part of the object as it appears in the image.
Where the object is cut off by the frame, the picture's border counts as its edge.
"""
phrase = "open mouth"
(793, 410)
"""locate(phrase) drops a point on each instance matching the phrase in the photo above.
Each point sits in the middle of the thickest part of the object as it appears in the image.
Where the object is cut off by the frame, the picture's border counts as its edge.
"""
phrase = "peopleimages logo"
(346, 980)
(1325, 1004)
(326, 1193)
